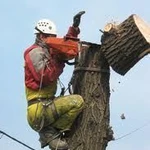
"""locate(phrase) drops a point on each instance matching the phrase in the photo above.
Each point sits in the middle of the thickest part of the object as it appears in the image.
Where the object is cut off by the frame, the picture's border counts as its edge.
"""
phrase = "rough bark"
(125, 44)
(91, 81)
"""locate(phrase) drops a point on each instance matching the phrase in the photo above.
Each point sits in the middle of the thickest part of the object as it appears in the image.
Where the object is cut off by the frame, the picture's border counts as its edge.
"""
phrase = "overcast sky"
(129, 94)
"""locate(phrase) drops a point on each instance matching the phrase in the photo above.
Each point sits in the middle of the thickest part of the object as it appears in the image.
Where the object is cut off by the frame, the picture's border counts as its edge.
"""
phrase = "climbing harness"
(45, 102)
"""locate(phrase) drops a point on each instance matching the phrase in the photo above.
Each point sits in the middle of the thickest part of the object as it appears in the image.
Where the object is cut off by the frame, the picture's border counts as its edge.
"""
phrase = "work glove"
(77, 18)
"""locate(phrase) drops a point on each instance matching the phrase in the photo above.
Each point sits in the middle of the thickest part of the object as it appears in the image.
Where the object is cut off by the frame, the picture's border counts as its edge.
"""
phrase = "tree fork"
(91, 81)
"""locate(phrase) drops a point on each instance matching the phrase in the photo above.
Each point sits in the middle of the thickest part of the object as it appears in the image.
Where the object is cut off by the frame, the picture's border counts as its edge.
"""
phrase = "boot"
(52, 137)
(59, 144)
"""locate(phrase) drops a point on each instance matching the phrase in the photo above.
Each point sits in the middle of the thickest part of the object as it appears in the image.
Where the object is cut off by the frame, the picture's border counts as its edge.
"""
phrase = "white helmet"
(45, 26)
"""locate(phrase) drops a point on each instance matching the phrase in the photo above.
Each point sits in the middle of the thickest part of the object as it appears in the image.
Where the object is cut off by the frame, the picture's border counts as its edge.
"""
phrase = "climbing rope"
(57, 143)
(62, 86)
(40, 87)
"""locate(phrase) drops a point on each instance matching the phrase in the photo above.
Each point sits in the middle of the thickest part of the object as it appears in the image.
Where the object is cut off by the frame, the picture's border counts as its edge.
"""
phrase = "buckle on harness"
(46, 104)
(44, 101)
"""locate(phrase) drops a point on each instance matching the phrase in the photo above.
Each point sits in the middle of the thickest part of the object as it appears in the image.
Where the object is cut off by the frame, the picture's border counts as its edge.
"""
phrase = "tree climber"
(50, 116)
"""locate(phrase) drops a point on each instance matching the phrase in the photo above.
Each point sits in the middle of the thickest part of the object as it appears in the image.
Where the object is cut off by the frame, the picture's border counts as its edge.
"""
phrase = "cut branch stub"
(125, 44)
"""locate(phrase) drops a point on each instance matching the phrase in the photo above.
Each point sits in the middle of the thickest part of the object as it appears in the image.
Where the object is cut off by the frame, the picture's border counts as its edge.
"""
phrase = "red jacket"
(41, 66)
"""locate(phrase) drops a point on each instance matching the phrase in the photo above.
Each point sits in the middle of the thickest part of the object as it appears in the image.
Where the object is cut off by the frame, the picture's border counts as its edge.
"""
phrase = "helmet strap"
(38, 30)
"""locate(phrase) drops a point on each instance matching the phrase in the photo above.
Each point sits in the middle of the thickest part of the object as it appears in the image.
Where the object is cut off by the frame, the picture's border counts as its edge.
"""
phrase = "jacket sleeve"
(42, 67)
(73, 32)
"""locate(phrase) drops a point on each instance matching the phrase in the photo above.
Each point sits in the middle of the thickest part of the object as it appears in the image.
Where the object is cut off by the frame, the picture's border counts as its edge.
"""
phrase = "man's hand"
(77, 18)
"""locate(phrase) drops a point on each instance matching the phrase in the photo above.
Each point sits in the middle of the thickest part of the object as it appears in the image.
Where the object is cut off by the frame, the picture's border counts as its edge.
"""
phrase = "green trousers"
(66, 110)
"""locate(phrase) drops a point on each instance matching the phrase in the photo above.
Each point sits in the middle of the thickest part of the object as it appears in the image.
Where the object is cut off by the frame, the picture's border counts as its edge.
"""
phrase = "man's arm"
(74, 30)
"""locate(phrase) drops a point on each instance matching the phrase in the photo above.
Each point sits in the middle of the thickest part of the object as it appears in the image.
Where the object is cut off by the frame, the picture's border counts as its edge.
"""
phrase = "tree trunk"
(91, 81)
(125, 44)
(122, 47)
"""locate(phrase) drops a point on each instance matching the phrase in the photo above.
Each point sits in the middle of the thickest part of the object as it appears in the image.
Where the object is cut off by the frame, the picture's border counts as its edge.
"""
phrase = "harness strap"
(49, 104)
(33, 101)
(91, 69)
(54, 111)
(38, 100)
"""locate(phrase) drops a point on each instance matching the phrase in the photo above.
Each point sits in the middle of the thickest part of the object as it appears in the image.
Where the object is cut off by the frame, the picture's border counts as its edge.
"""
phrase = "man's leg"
(52, 137)
(67, 109)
